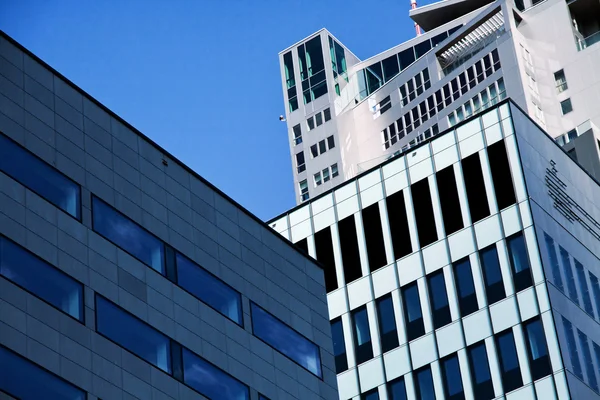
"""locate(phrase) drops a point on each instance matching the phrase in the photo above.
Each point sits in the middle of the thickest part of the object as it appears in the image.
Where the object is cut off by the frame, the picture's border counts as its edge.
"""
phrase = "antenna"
(413, 5)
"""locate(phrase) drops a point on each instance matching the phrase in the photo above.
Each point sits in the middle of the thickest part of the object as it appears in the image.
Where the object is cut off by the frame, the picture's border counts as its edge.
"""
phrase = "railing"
(588, 41)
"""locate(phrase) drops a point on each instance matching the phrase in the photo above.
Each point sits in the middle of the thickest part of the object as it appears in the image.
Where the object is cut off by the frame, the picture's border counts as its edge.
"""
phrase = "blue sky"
(201, 77)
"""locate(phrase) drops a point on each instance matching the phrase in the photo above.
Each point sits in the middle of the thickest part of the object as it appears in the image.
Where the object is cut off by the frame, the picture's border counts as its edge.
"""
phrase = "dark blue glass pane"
(438, 291)
(209, 289)
(337, 334)
(412, 303)
(26, 381)
(211, 381)
(132, 334)
(286, 340)
(452, 375)
(537, 339)
(39, 177)
(425, 385)
(41, 279)
(508, 352)
(397, 390)
(372, 395)
(387, 320)
(491, 266)
(464, 278)
(518, 253)
(479, 361)
(361, 326)
(128, 235)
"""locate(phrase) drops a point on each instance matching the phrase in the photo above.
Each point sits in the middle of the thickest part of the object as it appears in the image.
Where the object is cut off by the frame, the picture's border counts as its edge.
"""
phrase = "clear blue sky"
(201, 77)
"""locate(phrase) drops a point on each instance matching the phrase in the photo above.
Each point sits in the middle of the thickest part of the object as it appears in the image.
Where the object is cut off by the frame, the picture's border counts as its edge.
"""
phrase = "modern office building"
(125, 275)
(344, 115)
(467, 267)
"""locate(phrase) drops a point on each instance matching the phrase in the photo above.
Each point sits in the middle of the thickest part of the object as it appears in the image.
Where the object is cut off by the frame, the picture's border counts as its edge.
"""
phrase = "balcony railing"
(588, 41)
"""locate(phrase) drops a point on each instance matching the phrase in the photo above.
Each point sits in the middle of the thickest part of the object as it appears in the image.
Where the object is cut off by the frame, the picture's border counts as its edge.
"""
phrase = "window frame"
(389, 340)
(540, 367)
(469, 304)
(360, 348)
(445, 380)
(496, 291)
(343, 358)
(514, 375)
(522, 279)
(414, 329)
(484, 389)
(441, 317)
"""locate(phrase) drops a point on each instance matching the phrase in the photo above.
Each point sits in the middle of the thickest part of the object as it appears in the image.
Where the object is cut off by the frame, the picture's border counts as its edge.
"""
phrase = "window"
(397, 389)
(319, 119)
(300, 162)
(317, 178)
(326, 114)
(370, 395)
(519, 262)
(39, 177)
(587, 358)
(492, 276)
(554, 262)
(449, 200)
(566, 106)
(569, 276)
(290, 80)
(501, 176)
(424, 384)
(339, 345)
(310, 123)
(583, 286)
(297, 135)
(509, 361)
(349, 247)
(412, 312)
(572, 346)
(439, 299)
(330, 142)
(132, 334)
(561, 81)
(475, 187)
(128, 235)
(322, 147)
(325, 174)
(210, 380)
(338, 58)
(423, 208)
(303, 190)
(41, 279)
(467, 299)
(285, 340)
(537, 350)
(24, 380)
(374, 237)
(483, 387)
(391, 67)
(314, 151)
(262, 397)
(453, 387)
(595, 292)
(334, 170)
(209, 289)
(387, 323)
(362, 335)
(312, 69)
(324, 249)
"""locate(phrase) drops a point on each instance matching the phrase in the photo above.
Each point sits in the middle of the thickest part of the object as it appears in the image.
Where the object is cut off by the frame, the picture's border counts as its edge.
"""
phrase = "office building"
(467, 267)
(344, 115)
(125, 275)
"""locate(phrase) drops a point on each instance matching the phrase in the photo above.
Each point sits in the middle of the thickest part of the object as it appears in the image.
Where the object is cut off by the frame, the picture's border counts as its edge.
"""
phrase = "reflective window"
(439, 299)
(480, 371)
(330, 142)
(587, 358)
(519, 262)
(132, 334)
(396, 389)
(41, 279)
(453, 386)
(128, 235)
(209, 289)
(595, 292)
(327, 114)
(509, 361)
(210, 380)
(362, 335)
(370, 395)
(412, 312)
(572, 346)
(339, 346)
(467, 300)
(300, 162)
(539, 360)
(387, 323)
(24, 380)
(39, 177)
(583, 286)
(569, 276)
(285, 340)
(424, 384)
(554, 265)
(566, 106)
(297, 134)
(492, 276)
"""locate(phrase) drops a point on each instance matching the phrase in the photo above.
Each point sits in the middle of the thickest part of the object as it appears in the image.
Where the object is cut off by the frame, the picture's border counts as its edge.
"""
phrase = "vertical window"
(492, 276)
(424, 384)
(314, 151)
(483, 387)
(537, 349)
(475, 186)
(324, 250)
(303, 244)
(317, 178)
(398, 225)
(387, 323)
(519, 262)
(349, 247)
(397, 389)
(318, 119)
(509, 361)
(583, 286)
(452, 378)
(303, 190)
(596, 352)
(439, 299)
(572, 346)
(406, 57)
(325, 174)
(374, 237)
(391, 67)
(297, 134)
(334, 170)
(569, 276)
(463, 276)
(372, 394)
(339, 346)
(322, 147)
(362, 335)
(561, 81)
(587, 358)
(501, 176)
(310, 122)
(290, 81)
(300, 163)
(412, 311)
(449, 201)
(566, 106)
(423, 207)
(595, 292)
(554, 265)
(330, 142)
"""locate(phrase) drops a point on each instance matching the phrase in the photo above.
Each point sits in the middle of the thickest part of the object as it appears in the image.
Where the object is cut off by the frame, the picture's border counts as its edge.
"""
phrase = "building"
(124, 274)
(344, 115)
(467, 267)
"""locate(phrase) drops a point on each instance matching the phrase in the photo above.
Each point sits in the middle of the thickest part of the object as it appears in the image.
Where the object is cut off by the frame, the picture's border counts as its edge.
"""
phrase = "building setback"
(124, 274)
(464, 268)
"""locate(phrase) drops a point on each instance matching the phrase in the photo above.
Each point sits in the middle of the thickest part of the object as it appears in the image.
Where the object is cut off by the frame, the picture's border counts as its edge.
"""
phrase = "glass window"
(539, 360)
(452, 378)
(424, 384)
(314, 56)
(128, 235)
(566, 106)
(555, 266)
(339, 346)
(319, 119)
(334, 170)
(561, 81)
(587, 358)
(325, 174)
(297, 135)
(314, 151)
(322, 147)
(583, 286)
(463, 277)
(572, 346)
(374, 76)
(480, 371)
(412, 311)
(132, 334)
(595, 292)
(406, 57)
(519, 262)
(569, 276)
(330, 142)
(24, 380)
(390, 67)
(422, 48)
(509, 361)
(41, 279)
(492, 276)
(300, 163)
(387, 323)
(362, 335)
(327, 114)
(289, 69)
(209, 289)
(370, 395)
(303, 190)
(310, 122)
(39, 177)
(439, 299)
(317, 178)
(210, 380)
(397, 389)
(285, 340)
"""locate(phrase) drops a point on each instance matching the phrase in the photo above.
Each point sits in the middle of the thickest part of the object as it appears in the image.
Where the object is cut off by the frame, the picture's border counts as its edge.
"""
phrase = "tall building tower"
(471, 55)
(467, 267)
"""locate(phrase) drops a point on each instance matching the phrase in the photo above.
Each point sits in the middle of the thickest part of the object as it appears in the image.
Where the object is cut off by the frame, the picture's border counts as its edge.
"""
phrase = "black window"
(324, 249)
(475, 187)
(467, 299)
(566, 106)
(339, 346)
(449, 201)
(488, 65)
(303, 244)
(362, 335)
(39, 177)
(390, 67)
(483, 387)
(318, 119)
(479, 70)
(326, 114)
(297, 134)
(311, 123)
(423, 207)
(314, 151)
(422, 48)
(387, 323)
(439, 299)
(322, 147)
(300, 163)
(492, 275)
(537, 350)
(424, 384)
(349, 247)
(374, 237)
(438, 39)
(519, 262)
(406, 57)
(503, 184)
(398, 225)
(412, 311)
(453, 387)
(509, 361)
(330, 142)
(372, 394)
(397, 389)
(471, 77)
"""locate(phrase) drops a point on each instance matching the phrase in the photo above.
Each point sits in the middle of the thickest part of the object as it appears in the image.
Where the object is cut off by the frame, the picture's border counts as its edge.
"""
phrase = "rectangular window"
(362, 335)
(303, 244)
(23, 379)
(297, 134)
(453, 387)
(595, 292)
(561, 81)
(324, 249)
(492, 276)
(463, 276)
(132, 334)
(412, 311)
(423, 207)
(303, 190)
(334, 170)
(330, 142)
(374, 237)
(554, 265)
(406, 57)
(424, 384)
(310, 122)
(483, 387)
(439, 299)
(314, 151)
(370, 395)
(318, 119)
(326, 114)
(397, 389)
(572, 346)
(509, 361)
(41, 279)
(537, 349)
(449, 201)
(519, 262)
(317, 178)
(475, 186)
(209, 289)
(285, 340)
(322, 147)
(39, 177)
(300, 162)
(587, 359)
(339, 346)
(566, 106)
(398, 225)
(128, 235)
(349, 247)
(583, 286)
(569, 276)
(325, 173)
(387, 323)
(391, 67)
(501, 176)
